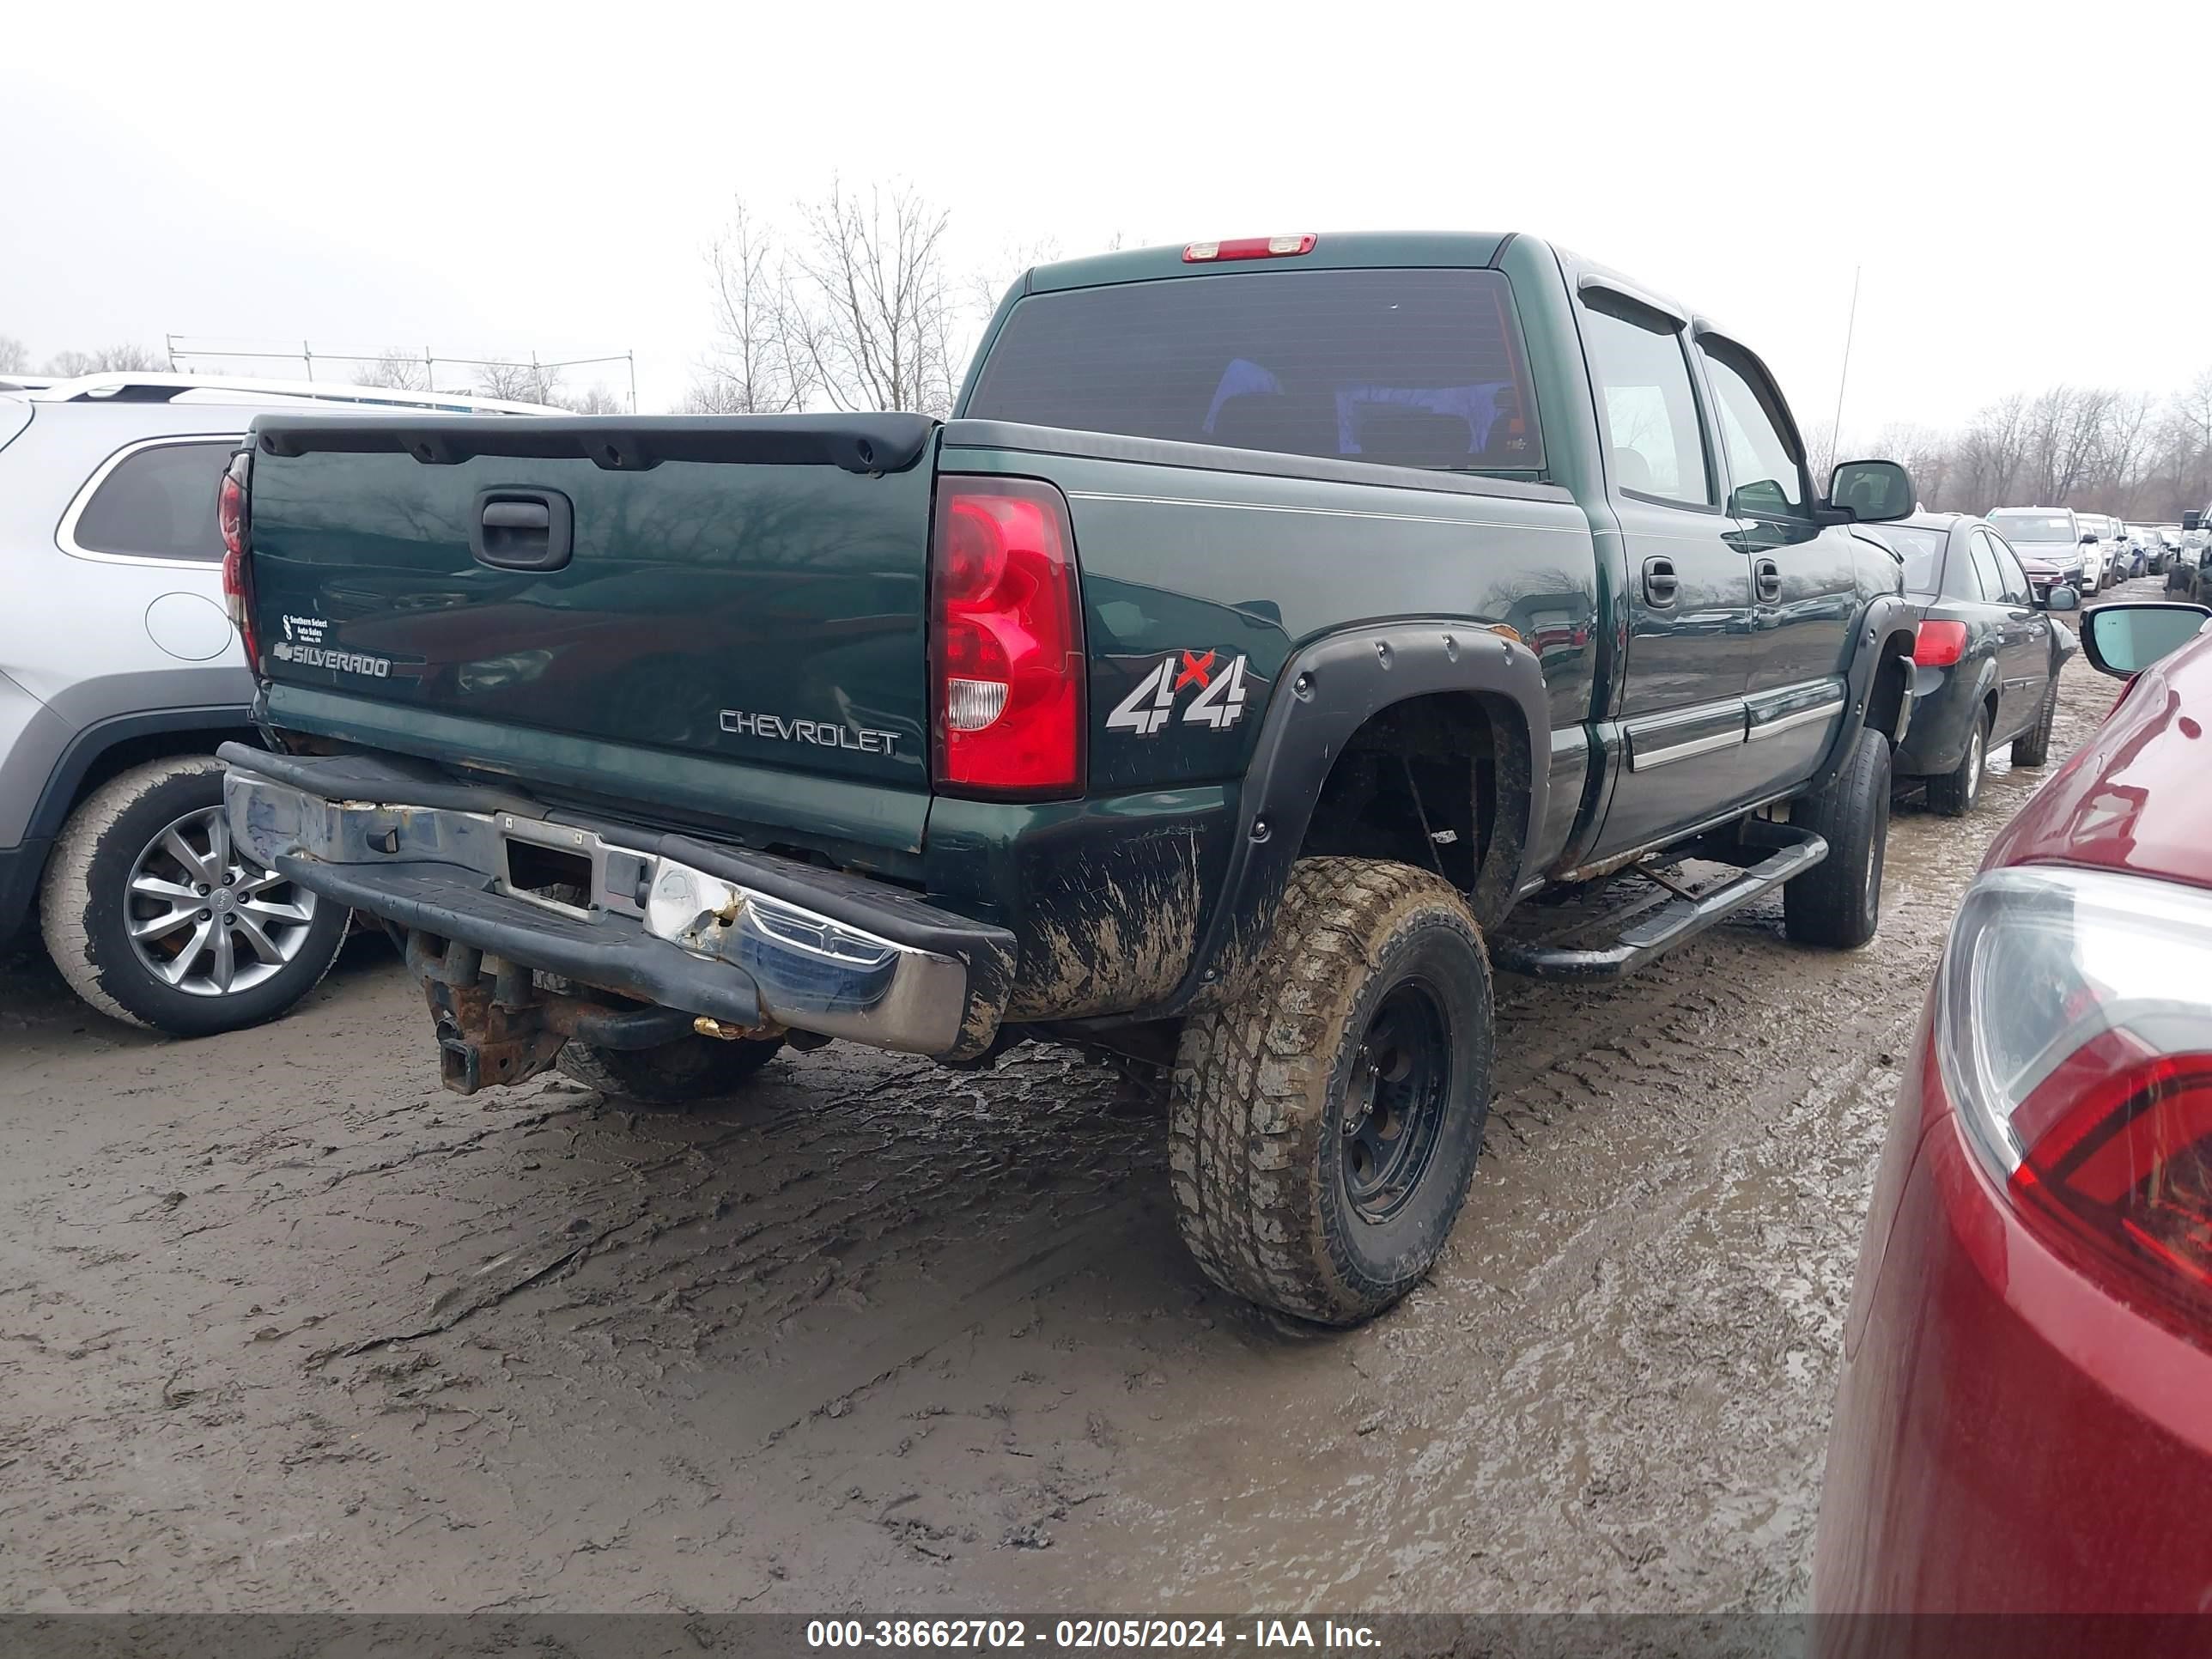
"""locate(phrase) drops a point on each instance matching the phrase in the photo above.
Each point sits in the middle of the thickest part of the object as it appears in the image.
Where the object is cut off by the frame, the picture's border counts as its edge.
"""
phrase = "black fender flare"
(1325, 693)
(1887, 620)
(58, 798)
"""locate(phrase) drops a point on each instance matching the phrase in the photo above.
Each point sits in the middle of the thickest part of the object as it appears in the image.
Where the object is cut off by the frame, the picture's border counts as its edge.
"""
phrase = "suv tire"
(2032, 746)
(1324, 1126)
(1954, 793)
(132, 857)
(678, 1073)
(1837, 902)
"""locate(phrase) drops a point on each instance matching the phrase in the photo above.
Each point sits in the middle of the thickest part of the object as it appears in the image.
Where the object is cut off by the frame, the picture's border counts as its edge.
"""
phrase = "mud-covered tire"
(2032, 746)
(1837, 902)
(1954, 793)
(86, 907)
(1265, 1100)
(677, 1073)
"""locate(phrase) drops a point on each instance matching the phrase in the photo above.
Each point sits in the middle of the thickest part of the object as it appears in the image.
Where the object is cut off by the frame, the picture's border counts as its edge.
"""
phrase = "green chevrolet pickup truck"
(1268, 621)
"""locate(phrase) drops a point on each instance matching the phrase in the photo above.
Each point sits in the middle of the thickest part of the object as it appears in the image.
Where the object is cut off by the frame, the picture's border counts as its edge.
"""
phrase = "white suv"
(119, 674)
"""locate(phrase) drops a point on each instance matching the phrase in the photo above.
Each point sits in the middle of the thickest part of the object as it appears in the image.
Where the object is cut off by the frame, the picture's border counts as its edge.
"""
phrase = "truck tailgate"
(750, 589)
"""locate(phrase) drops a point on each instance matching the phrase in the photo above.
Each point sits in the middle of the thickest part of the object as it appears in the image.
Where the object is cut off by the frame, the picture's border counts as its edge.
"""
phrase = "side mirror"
(2192, 520)
(2089, 540)
(1876, 492)
(2062, 597)
(2124, 640)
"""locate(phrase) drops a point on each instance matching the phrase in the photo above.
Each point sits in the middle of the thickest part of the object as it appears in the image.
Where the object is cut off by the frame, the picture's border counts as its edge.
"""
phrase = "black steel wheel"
(1323, 1124)
(1396, 1103)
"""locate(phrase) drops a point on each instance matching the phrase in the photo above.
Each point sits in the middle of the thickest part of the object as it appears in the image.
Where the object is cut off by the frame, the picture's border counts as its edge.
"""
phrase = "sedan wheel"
(1954, 793)
(207, 920)
(155, 918)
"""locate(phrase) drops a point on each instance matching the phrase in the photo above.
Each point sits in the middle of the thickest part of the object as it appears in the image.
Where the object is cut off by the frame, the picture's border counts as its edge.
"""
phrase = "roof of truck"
(1332, 251)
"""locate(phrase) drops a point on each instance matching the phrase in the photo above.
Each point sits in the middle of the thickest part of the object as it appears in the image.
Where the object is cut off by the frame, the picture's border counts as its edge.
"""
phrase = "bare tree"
(397, 370)
(13, 358)
(871, 317)
(1924, 452)
(1820, 455)
(986, 288)
(1991, 454)
(521, 383)
(594, 399)
(2124, 443)
(753, 368)
(67, 365)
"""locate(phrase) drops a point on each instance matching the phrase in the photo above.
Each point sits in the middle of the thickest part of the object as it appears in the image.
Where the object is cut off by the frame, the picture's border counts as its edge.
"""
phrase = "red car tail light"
(233, 517)
(1939, 644)
(2073, 1027)
(1006, 645)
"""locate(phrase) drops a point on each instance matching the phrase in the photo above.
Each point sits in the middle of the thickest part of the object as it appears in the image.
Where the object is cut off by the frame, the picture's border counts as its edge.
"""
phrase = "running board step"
(1795, 851)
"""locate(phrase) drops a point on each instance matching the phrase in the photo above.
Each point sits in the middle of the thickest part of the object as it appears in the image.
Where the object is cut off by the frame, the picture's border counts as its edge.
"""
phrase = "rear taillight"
(231, 512)
(2074, 1032)
(1006, 640)
(1939, 644)
(1249, 247)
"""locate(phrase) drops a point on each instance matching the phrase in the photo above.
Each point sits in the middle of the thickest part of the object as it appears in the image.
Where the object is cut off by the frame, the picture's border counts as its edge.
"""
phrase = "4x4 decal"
(1220, 702)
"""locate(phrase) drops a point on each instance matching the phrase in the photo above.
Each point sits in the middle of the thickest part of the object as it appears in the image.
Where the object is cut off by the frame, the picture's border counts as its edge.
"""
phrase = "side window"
(1769, 482)
(2016, 579)
(1650, 414)
(157, 503)
(1985, 566)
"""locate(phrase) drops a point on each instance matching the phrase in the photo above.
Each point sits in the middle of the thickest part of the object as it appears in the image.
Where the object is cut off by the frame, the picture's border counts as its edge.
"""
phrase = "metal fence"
(529, 379)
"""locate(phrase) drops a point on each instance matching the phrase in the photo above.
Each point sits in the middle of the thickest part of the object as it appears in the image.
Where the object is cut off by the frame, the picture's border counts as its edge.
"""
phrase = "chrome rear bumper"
(657, 920)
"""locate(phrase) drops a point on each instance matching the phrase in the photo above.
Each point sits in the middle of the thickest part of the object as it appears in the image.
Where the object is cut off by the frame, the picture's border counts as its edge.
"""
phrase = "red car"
(2025, 1420)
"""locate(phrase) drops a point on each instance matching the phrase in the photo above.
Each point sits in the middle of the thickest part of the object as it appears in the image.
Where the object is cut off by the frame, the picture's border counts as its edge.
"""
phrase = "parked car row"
(120, 673)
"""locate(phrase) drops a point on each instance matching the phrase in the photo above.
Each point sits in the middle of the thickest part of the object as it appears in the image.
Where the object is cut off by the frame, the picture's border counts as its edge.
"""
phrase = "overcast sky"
(2026, 196)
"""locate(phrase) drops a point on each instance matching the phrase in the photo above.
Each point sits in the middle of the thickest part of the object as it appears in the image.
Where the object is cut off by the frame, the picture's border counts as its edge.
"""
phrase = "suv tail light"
(2073, 1027)
(1006, 640)
(1939, 644)
(231, 512)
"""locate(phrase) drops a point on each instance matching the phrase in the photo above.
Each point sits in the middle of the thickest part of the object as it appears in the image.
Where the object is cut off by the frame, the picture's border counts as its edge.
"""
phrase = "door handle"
(1660, 584)
(1766, 577)
(518, 515)
(522, 529)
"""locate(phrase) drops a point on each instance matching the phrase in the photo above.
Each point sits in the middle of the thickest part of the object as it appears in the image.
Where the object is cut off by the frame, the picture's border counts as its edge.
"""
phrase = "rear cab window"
(1655, 437)
(153, 500)
(1407, 368)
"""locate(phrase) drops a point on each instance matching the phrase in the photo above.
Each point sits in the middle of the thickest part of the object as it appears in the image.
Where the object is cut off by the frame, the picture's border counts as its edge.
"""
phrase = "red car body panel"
(2011, 1435)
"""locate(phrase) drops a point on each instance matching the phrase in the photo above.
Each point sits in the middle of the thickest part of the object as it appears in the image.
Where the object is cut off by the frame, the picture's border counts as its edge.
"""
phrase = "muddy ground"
(282, 1325)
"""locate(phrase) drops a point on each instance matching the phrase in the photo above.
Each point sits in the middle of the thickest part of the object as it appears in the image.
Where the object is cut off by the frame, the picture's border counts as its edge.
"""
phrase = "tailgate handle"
(522, 529)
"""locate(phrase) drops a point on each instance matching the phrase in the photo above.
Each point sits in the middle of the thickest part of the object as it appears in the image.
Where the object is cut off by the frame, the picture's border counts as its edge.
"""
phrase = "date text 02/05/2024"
(1006, 1634)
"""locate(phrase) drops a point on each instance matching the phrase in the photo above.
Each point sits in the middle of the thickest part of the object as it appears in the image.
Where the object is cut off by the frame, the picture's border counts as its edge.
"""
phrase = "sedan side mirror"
(2124, 640)
(2062, 597)
(1876, 492)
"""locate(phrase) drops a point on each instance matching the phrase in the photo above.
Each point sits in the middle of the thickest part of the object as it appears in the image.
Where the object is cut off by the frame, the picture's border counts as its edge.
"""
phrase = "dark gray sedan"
(1985, 665)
